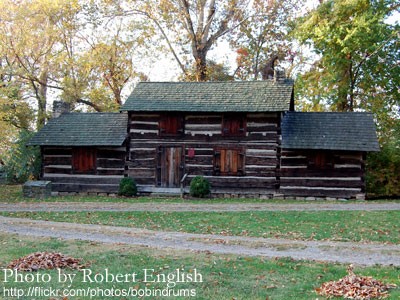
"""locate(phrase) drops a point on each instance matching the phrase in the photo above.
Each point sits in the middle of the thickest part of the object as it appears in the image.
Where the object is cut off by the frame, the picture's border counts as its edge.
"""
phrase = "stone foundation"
(37, 189)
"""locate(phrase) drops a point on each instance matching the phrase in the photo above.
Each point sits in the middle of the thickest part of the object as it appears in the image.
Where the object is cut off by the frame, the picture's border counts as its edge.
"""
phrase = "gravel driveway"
(209, 207)
(343, 252)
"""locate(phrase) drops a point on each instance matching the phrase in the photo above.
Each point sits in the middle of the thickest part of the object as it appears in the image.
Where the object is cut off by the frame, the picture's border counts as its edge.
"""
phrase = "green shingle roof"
(352, 131)
(231, 96)
(83, 129)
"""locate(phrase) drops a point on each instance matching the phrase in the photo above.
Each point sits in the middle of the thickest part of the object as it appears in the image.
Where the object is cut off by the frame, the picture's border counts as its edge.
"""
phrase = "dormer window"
(171, 125)
(234, 125)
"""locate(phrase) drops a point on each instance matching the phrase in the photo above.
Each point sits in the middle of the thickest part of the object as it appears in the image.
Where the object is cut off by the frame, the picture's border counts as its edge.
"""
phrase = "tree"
(28, 39)
(215, 72)
(357, 55)
(189, 27)
(264, 36)
(66, 48)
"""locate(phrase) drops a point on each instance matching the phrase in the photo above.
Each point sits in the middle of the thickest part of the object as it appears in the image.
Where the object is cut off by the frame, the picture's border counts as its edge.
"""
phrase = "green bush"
(383, 168)
(22, 163)
(199, 187)
(127, 187)
(383, 172)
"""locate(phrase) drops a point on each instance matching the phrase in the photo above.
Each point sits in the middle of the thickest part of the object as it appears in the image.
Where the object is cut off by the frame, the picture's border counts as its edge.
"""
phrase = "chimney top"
(60, 107)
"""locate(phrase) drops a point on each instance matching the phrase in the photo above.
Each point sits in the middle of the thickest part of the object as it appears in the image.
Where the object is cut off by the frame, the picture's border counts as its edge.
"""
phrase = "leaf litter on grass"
(357, 287)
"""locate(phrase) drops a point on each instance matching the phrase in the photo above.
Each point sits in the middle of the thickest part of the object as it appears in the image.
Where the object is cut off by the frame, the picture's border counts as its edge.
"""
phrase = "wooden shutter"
(229, 162)
(84, 160)
(321, 160)
(171, 125)
(234, 125)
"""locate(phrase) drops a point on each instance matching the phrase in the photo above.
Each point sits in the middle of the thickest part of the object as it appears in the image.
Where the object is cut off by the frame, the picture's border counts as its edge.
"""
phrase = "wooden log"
(321, 182)
(145, 153)
(199, 169)
(141, 172)
(57, 170)
(261, 173)
(144, 126)
(84, 179)
(291, 172)
(57, 151)
(199, 159)
(57, 160)
(119, 171)
(334, 193)
(110, 163)
(204, 119)
(242, 182)
(141, 163)
(294, 161)
(261, 127)
(117, 154)
(145, 181)
(95, 188)
(261, 160)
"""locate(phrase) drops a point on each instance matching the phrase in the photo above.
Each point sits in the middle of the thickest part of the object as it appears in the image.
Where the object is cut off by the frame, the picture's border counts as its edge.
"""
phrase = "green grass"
(357, 226)
(224, 276)
(13, 194)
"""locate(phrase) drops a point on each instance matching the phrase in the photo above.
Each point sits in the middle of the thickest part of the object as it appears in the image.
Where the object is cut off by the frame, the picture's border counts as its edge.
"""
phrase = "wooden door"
(170, 166)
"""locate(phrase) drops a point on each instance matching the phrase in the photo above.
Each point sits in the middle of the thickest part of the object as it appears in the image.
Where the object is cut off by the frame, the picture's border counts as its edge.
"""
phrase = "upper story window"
(171, 125)
(234, 125)
(84, 160)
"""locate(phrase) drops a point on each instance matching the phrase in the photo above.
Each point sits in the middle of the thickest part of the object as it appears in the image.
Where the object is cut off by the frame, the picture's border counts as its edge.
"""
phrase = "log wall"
(110, 167)
(201, 137)
(341, 178)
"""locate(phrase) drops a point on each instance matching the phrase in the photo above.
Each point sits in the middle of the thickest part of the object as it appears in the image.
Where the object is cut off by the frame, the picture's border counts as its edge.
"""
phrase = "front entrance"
(170, 166)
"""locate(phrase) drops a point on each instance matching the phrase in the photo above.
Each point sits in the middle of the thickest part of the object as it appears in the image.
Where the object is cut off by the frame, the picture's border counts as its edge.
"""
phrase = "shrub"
(22, 163)
(127, 187)
(199, 187)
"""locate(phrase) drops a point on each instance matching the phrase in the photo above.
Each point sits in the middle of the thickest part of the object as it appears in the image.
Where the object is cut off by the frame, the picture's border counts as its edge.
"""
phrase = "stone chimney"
(279, 75)
(60, 107)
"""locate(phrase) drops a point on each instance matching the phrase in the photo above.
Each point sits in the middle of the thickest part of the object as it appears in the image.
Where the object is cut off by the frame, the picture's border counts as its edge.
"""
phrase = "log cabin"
(83, 152)
(323, 154)
(244, 137)
(228, 132)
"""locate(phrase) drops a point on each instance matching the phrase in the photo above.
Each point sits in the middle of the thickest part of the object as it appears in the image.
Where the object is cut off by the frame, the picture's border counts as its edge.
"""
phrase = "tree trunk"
(42, 100)
(201, 65)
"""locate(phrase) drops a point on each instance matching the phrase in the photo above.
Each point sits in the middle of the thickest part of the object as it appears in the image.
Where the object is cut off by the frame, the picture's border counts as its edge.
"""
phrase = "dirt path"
(184, 207)
(343, 252)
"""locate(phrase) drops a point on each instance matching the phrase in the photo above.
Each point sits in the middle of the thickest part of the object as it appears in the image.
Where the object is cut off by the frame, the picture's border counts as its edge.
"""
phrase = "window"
(84, 160)
(229, 161)
(171, 125)
(234, 125)
(321, 161)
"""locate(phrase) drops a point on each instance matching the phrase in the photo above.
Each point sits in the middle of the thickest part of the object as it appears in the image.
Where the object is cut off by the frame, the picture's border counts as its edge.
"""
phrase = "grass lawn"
(357, 226)
(13, 194)
(223, 276)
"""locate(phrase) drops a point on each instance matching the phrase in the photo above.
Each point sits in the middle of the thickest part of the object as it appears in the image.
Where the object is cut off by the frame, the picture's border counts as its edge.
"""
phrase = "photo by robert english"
(99, 284)
(171, 279)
